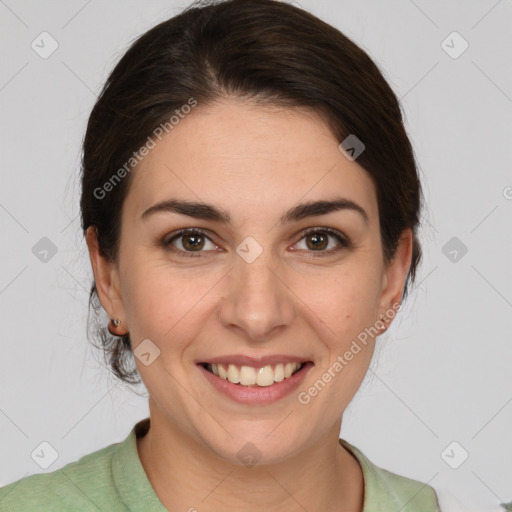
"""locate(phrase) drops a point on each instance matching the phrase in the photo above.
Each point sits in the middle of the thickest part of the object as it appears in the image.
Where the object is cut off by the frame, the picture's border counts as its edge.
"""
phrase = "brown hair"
(260, 50)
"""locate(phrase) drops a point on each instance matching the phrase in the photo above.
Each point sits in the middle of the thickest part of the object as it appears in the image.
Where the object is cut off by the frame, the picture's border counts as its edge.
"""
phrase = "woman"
(250, 203)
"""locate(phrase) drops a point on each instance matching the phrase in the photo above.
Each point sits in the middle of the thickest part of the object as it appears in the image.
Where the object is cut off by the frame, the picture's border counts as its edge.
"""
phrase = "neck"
(326, 477)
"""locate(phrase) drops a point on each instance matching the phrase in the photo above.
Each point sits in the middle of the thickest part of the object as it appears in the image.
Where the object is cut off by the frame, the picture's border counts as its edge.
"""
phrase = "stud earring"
(113, 324)
(383, 327)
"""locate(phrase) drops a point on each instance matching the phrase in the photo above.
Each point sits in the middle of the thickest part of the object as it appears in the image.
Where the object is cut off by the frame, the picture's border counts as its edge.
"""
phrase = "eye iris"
(198, 244)
(316, 237)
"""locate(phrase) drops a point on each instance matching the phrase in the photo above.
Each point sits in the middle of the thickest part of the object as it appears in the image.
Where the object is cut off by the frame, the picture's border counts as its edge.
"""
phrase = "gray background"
(442, 373)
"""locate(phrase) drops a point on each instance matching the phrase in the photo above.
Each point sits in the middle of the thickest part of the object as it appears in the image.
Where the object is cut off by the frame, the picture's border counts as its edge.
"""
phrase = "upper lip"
(257, 362)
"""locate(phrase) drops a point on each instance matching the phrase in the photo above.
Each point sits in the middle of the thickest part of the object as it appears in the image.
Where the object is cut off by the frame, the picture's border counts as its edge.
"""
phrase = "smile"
(257, 381)
(251, 376)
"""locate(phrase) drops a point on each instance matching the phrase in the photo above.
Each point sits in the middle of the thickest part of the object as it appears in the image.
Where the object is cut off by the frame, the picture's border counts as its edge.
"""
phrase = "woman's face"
(250, 285)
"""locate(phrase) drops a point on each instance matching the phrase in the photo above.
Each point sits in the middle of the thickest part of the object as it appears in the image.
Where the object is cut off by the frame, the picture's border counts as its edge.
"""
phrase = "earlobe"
(106, 277)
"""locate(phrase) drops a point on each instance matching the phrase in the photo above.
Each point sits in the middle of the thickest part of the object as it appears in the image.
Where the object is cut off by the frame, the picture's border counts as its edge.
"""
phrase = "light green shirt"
(113, 480)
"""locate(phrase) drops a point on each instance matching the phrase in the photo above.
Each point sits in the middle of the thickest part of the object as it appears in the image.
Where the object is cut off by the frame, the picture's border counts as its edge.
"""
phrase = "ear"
(393, 280)
(106, 276)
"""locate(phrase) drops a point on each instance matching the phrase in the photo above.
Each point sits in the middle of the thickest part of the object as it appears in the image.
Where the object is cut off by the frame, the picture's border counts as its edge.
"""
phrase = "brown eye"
(193, 240)
(318, 239)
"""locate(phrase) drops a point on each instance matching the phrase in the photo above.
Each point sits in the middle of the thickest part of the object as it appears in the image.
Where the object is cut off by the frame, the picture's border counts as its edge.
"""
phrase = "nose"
(257, 300)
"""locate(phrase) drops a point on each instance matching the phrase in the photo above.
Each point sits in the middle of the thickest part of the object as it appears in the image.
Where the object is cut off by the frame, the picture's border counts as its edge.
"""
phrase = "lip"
(255, 362)
(257, 395)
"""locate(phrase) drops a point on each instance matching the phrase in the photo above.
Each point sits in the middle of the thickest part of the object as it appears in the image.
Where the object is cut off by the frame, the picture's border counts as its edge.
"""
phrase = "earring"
(383, 328)
(115, 322)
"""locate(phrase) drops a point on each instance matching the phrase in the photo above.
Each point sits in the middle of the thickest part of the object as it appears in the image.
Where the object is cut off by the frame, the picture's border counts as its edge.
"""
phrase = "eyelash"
(343, 241)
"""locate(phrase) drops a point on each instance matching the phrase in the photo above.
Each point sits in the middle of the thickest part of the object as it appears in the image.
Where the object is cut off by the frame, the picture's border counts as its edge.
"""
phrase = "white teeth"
(249, 376)
(288, 370)
(265, 376)
(223, 374)
(279, 373)
(233, 374)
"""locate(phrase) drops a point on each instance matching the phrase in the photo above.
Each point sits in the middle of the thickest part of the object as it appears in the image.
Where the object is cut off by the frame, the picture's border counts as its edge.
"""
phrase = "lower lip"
(257, 394)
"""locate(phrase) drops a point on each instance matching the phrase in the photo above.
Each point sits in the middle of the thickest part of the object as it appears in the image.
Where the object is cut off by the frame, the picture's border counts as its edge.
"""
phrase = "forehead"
(232, 153)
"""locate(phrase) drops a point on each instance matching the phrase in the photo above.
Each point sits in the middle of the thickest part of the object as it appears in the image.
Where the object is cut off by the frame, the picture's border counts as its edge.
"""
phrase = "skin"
(254, 162)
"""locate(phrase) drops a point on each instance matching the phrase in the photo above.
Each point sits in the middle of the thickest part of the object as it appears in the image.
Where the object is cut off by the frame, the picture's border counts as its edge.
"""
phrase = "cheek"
(345, 300)
(161, 302)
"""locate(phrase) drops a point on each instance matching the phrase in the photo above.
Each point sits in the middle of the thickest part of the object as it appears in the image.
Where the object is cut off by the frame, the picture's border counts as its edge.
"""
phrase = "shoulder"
(396, 492)
(407, 494)
(81, 485)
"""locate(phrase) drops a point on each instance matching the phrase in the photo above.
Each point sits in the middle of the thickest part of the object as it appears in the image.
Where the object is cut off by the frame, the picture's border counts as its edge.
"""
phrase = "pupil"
(195, 244)
(318, 243)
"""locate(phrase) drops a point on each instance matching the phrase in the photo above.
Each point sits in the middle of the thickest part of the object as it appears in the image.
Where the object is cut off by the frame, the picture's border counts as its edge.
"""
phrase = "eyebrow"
(205, 211)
